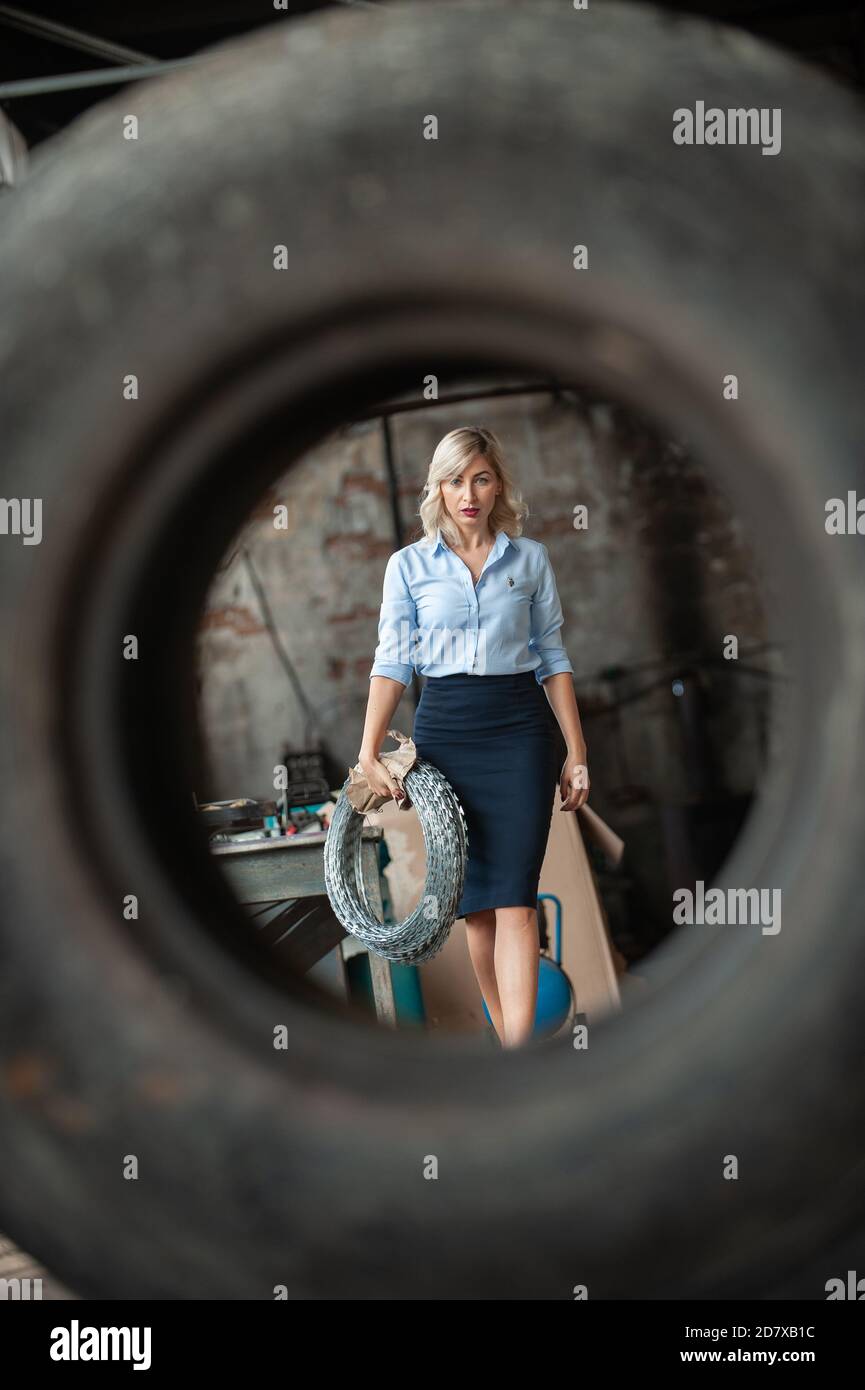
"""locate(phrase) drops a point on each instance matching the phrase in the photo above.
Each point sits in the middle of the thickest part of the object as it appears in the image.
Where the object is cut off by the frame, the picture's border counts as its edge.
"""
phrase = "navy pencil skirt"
(494, 739)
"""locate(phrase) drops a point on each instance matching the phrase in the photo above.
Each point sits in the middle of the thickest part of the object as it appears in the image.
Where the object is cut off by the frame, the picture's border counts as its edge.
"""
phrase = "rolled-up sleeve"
(546, 624)
(396, 624)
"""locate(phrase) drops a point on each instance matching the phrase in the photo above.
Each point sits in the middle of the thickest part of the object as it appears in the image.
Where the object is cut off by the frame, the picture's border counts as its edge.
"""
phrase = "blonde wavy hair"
(452, 454)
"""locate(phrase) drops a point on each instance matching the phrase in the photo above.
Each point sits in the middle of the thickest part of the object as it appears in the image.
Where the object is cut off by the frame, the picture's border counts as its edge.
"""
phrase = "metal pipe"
(71, 38)
(96, 77)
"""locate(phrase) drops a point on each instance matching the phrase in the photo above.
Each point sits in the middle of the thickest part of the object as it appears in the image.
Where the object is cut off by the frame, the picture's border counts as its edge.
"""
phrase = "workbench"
(288, 870)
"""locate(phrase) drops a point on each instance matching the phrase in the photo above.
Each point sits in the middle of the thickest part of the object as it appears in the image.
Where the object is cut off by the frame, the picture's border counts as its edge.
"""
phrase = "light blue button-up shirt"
(434, 620)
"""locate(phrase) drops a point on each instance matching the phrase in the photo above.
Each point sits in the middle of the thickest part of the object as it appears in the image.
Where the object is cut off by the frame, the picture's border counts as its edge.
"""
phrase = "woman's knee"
(516, 918)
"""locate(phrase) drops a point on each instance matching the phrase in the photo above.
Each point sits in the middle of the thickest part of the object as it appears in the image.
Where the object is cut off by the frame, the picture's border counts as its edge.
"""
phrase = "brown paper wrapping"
(398, 763)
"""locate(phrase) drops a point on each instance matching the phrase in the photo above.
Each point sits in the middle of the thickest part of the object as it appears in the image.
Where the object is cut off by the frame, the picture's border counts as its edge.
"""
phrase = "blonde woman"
(473, 607)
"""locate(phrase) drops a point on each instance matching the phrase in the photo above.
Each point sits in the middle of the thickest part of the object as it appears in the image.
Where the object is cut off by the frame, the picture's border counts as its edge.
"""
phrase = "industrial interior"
(681, 683)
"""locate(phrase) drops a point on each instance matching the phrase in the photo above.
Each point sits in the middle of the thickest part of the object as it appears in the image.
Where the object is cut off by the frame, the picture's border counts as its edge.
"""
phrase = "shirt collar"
(501, 541)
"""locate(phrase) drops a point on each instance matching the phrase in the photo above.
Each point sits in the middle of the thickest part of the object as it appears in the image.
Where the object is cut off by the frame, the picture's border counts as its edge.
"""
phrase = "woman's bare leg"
(517, 962)
(481, 935)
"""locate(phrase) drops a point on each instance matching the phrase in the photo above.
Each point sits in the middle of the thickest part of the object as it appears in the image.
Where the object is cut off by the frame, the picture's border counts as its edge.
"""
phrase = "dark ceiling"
(830, 33)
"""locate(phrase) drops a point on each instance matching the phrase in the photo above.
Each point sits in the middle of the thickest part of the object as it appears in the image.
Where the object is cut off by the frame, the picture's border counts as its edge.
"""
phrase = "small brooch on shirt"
(510, 582)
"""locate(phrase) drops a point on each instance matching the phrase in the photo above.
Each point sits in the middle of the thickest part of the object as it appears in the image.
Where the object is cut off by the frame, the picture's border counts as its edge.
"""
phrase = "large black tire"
(304, 1167)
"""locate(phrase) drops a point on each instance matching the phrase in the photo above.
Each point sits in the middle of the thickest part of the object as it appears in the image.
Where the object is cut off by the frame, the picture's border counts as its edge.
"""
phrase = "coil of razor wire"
(423, 933)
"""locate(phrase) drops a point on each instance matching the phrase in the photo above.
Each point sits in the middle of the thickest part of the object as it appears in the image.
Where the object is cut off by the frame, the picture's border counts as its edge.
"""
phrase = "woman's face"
(470, 496)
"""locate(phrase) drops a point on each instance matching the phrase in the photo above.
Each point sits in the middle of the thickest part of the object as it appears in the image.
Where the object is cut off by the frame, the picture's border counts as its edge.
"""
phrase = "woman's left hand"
(574, 783)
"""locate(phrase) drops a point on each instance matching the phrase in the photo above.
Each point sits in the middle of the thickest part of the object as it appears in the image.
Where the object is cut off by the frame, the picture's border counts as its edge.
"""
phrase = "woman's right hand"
(379, 779)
